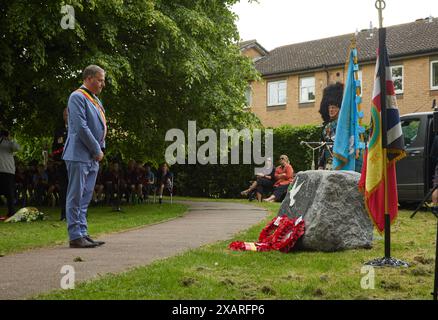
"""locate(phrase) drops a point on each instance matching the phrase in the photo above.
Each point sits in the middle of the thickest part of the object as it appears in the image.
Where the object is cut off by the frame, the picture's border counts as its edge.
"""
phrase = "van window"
(410, 130)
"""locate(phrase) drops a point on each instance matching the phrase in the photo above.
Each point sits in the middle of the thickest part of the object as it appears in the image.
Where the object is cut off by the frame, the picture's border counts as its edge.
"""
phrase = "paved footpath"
(37, 271)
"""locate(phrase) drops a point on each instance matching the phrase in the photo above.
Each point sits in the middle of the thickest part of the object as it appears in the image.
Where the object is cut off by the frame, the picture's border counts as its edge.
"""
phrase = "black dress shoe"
(96, 242)
(82, 243)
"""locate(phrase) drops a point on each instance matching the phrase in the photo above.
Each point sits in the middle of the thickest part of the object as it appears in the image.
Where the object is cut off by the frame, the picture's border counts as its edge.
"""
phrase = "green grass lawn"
(214, 272)
(16, 237)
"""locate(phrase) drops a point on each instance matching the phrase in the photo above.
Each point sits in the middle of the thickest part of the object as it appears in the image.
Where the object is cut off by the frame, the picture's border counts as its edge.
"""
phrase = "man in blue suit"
(82, 153)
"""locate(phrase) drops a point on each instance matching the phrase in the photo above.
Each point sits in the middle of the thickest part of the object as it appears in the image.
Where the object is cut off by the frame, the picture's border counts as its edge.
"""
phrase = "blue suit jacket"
(86, 129)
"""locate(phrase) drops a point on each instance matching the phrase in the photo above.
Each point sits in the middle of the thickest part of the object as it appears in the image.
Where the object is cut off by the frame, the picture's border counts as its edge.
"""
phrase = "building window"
(277, 93)
(307, 89)
(434, 75)
(248, 97)
(397, 77)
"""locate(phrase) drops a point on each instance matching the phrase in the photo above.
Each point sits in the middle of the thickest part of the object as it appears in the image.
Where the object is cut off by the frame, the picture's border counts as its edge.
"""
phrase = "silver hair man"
(91, 71)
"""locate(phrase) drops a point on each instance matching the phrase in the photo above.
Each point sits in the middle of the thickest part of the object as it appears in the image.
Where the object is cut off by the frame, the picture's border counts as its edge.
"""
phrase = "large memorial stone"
(333, 210)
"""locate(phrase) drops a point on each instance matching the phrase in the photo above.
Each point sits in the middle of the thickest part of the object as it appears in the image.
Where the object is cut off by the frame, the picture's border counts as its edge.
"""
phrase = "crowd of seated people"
(38, 184)
(271, 184)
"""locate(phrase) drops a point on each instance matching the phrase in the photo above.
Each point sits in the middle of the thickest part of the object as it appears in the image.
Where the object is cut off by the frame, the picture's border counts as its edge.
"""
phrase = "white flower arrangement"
(28, 214)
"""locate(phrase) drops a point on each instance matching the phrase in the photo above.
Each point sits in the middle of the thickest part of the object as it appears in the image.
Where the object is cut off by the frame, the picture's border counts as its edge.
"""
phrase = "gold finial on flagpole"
(380, 6)
(353, 41)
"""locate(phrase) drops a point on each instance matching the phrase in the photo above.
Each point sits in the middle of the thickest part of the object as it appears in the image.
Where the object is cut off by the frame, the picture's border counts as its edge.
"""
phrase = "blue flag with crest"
(349, 132)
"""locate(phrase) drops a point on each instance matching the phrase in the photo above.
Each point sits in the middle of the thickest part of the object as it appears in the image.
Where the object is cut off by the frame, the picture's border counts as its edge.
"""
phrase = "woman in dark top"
(264, 182)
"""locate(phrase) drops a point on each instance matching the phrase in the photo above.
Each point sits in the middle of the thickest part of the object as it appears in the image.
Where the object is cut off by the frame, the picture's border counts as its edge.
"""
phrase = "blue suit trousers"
(81, 181)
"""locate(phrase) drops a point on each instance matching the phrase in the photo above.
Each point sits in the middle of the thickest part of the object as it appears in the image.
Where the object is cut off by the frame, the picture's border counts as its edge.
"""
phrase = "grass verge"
(17, 237)
(214, 272)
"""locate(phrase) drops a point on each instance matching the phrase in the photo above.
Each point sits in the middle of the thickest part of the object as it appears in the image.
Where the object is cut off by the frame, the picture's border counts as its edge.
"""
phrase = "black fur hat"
(332, 95)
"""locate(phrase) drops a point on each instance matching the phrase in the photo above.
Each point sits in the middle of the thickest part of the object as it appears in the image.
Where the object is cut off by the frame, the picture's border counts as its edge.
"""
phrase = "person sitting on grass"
(164, 179)
(264, 182)
(283, 177)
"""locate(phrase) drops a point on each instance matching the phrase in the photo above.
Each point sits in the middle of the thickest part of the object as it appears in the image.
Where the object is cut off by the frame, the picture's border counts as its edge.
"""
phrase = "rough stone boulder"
(333, 210)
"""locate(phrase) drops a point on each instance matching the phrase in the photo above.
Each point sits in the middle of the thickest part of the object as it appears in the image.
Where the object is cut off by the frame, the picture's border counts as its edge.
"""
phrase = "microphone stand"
(318, 145)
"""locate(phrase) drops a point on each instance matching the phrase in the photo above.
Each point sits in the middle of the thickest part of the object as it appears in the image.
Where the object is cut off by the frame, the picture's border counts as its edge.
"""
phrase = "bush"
(287, 141)
(215, 181)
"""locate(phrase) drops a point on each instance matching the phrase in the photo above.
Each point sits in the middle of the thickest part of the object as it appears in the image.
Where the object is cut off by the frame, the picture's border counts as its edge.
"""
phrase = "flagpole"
(381, 5)
(387, 260)
(382, 67)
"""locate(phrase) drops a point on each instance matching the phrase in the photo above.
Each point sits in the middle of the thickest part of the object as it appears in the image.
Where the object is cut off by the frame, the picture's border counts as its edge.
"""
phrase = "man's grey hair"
(91, 71)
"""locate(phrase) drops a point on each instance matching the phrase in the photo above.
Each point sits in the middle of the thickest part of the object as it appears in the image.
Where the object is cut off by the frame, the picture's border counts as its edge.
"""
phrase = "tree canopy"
(166, 61)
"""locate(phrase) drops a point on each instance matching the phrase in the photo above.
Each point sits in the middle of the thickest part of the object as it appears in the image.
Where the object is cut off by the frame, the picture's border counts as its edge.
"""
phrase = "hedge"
(216, 181)
(227, 181)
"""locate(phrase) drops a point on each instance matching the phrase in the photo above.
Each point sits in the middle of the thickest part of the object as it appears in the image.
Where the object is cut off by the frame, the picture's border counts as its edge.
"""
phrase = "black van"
(415, 171)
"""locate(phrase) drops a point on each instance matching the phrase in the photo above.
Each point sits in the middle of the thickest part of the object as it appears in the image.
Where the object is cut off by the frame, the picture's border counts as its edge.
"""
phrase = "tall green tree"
(167, 62)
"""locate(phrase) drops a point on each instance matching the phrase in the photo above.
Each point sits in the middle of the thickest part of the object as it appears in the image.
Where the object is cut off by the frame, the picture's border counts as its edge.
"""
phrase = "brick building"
(294, 76)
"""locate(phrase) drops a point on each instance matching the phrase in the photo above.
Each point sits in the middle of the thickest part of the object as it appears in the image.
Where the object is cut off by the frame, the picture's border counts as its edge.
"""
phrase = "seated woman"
(264, 182)
(283, 177)
(164, 178)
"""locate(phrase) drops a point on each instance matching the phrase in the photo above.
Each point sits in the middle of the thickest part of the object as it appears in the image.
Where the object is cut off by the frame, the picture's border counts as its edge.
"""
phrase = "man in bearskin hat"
(329, 109)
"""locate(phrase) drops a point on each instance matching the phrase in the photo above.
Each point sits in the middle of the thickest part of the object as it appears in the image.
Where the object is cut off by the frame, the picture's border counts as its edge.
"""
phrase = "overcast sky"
(276, 23)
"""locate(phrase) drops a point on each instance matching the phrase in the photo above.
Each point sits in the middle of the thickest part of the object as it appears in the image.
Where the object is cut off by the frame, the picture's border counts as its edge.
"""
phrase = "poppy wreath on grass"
(280, 234)
(287, 234)
(268, 232)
